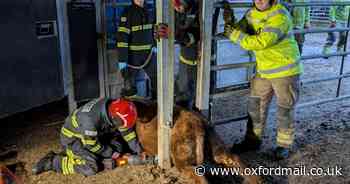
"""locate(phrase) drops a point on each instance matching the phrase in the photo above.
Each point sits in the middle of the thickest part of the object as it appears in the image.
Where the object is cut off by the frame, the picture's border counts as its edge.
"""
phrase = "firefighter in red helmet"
(92, 133)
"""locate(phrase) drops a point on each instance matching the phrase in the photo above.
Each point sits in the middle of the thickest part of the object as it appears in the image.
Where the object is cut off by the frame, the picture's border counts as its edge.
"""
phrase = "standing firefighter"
(339, 17)
(301, 20)
(90, 135)
(265, 29)
(134, 44)
(187, 34)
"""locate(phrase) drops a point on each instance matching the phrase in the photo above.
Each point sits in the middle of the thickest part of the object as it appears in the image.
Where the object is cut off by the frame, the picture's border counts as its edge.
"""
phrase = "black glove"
(228, 30)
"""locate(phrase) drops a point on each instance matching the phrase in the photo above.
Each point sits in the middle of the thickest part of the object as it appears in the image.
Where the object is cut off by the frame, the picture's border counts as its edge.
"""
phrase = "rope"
(148, 59)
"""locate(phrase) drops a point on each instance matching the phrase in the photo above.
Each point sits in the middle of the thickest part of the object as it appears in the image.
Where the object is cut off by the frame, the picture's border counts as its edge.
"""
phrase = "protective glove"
(234, 34)
(116, 155)
(161, 31)
(122, 65)
(123, 68)
(154, 50)
(228, 30)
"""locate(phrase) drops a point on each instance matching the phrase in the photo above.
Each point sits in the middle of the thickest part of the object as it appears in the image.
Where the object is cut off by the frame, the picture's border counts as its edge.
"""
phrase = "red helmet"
(178, 3)
(123, 110)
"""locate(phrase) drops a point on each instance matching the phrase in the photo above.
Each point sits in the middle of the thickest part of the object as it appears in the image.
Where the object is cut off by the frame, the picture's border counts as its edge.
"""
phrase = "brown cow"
(192, 141)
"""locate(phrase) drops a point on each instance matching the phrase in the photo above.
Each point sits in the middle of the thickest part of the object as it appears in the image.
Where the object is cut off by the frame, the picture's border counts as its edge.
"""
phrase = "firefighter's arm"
(274, 31)
(90, 142)
(123, 34)
(129, 135)
(89, 138)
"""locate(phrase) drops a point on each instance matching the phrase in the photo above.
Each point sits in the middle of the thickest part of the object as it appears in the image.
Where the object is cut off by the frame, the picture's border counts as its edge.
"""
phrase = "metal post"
(165, 81)
(101, 46)
(213, 74)
(343, 57)
(203, 67)
(62, 18)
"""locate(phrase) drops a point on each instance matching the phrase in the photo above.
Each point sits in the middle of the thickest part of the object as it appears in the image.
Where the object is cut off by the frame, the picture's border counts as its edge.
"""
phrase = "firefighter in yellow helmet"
(266, 30)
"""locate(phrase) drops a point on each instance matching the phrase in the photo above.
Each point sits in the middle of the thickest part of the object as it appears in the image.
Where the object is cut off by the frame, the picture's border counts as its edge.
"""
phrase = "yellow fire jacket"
(270, 39)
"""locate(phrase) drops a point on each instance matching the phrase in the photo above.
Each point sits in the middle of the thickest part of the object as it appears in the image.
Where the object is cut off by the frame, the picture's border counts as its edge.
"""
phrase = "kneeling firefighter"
(90, 135)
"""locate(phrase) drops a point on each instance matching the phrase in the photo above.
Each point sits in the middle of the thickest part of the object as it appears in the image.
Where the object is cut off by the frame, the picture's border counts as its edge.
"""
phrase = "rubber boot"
(251, 141)
(44, 164)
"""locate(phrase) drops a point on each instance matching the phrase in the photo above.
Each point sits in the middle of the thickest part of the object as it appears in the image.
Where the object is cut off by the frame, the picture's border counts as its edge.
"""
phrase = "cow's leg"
(223, 157)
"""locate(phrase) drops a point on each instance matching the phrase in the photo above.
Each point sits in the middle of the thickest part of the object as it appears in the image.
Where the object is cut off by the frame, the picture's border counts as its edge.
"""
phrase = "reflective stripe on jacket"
(276, 51)
(135, 35)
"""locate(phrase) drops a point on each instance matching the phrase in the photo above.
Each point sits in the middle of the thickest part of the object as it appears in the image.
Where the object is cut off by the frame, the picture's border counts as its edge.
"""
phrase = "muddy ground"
(322, 140)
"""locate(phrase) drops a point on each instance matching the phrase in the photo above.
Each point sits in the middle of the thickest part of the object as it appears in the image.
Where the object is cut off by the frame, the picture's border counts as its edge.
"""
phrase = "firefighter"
(134, 43)
(265, 29)
(339, 17)
(187, 34)
(92, 134)
(301, 20)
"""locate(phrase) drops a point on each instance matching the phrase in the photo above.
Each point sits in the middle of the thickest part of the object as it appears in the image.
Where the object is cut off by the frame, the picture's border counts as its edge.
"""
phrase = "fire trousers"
(286, 90)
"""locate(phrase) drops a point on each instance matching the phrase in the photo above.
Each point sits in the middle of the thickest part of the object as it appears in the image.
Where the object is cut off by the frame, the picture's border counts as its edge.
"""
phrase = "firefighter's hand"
(161, 31)
(122, 65)
(228, 30)
(123, 68)
(116, 155)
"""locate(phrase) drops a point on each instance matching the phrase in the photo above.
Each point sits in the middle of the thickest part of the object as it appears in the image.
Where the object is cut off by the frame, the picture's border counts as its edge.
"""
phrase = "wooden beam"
(165, 81)
(63, 27)
(203, 67)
